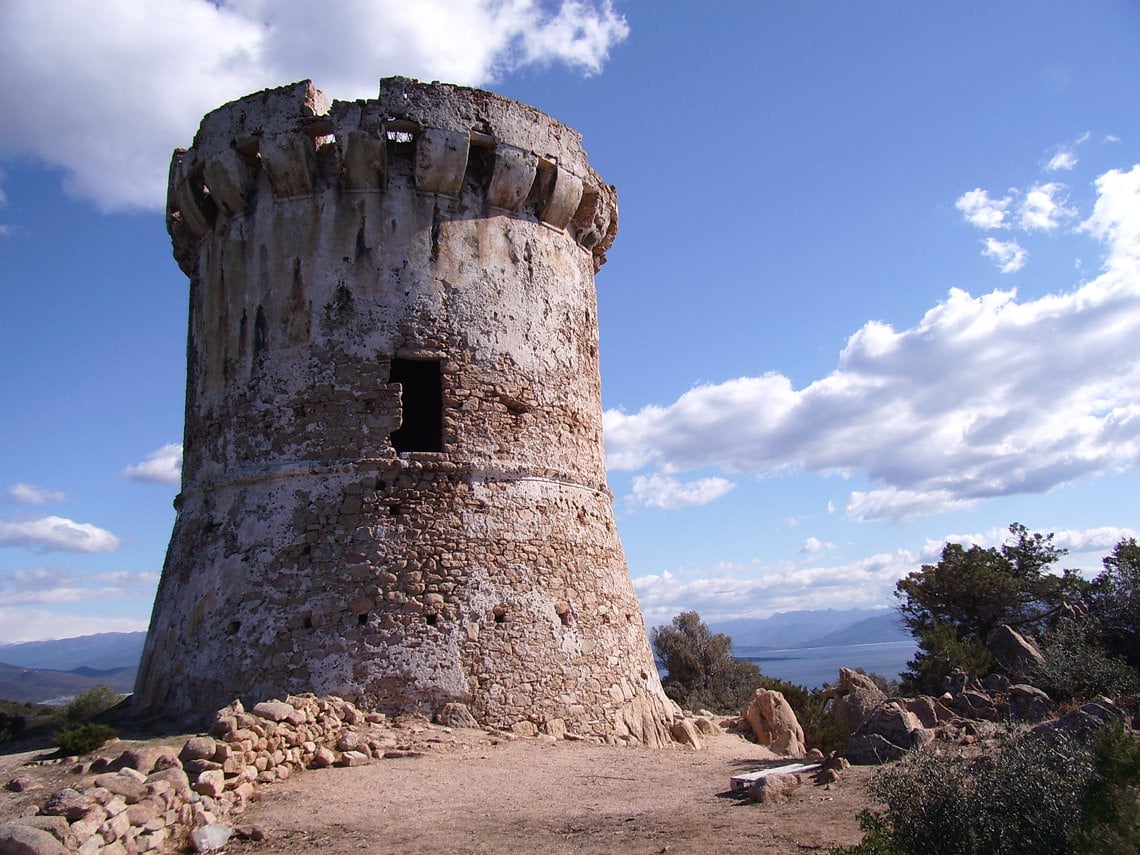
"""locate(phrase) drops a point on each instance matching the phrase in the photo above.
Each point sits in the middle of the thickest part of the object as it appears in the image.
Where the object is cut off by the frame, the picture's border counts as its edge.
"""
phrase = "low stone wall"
(158, 799)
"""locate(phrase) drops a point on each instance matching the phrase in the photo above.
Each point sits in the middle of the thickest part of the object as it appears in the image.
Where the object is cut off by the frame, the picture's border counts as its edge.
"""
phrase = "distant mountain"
(39, 685)
(801, 628)
(105, 651)
(872, 630)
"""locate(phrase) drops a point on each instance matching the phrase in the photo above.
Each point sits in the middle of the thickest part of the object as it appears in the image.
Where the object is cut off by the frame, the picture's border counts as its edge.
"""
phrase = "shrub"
(700, 668)
(1046, 793)
(1112, 800)
(1078, 667)
(86, 705)
(11, 726)
(83, 738)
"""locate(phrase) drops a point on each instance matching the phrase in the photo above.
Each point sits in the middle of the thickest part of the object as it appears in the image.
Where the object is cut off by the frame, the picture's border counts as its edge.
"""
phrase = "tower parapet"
(393, 480)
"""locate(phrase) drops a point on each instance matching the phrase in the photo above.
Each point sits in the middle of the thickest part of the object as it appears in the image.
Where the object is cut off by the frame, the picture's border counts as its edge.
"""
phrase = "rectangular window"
(421, 403)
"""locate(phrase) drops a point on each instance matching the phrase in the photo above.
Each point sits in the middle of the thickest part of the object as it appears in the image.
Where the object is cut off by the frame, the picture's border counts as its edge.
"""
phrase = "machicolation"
(393, 485)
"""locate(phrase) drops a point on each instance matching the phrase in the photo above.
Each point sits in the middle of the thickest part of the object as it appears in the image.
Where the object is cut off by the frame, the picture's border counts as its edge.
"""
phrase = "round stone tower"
(393, 487)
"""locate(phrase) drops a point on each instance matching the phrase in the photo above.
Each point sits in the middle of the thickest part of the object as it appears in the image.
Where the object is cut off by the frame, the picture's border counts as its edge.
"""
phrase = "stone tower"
(394, 486)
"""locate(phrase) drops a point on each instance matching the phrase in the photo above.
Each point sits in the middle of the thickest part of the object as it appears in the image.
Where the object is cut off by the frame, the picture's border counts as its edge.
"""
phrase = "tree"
(701, 670)
(1114, 602)
(952, 607)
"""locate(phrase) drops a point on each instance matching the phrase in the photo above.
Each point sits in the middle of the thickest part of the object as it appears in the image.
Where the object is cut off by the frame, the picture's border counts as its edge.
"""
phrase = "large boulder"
(774, 723)
(929, 711)
(1028, 703)
(853, 698)
(887, 734)
(1084, 721)
(1017, 654)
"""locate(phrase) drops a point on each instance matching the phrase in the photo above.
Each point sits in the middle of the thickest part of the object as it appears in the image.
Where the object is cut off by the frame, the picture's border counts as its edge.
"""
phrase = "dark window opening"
(235, 627)
(394, 509)
(362, 620)
(432, 620)
(499, 613)
(308, 622)
(421, 402)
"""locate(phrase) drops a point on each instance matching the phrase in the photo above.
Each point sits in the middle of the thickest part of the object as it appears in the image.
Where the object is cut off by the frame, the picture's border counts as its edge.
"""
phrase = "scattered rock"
(276, 711)
(211, 837)
(22, 785)
(685, 732)
(17, 838)
(774, 788)
(198, 748)
(68, 803)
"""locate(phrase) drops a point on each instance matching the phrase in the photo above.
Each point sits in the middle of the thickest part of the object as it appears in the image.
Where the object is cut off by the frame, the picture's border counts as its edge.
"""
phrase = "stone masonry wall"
(329, 247)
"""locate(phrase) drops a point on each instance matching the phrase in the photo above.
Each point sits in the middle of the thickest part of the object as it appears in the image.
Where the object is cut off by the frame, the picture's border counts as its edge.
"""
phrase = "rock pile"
(159, 799)
(155, 798)
(971, 710)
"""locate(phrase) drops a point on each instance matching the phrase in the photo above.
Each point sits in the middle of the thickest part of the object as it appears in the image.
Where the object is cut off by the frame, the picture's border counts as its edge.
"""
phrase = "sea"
(815, 666)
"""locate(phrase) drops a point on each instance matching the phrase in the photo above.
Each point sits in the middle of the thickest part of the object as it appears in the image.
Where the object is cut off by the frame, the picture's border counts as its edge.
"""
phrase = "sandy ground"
(456, 791)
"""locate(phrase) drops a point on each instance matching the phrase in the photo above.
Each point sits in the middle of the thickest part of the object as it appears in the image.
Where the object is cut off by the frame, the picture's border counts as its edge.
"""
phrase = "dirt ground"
(471, 792)
(553, 797)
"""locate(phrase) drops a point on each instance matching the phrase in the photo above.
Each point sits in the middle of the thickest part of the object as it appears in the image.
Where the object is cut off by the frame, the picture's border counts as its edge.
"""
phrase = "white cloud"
(985, 396)
(19, 624)
(979, 210)
(661, 491)
(1064, 159)
(1007, 254)
(757, 590)
(1043, 207)
(56, 585)
(30, 494)
(57, 534)
(1115, 220)
(813, 545)
(183, 58)
(163, 466)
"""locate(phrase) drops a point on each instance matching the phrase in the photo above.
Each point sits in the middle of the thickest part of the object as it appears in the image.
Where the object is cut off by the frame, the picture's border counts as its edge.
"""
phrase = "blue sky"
(876, 284)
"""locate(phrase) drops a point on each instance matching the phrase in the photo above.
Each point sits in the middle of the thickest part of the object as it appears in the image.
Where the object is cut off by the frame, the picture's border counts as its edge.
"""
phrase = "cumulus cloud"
(1115, 220)
(57, 534)
(1007, 254)
(30, 494)
(106, 97)
(979, 210)
(1044, 208)
(814, 544)
(1064, 159)
(661, 491)
(985, 396)
(57, 585)
(163, 466)
(757, 590)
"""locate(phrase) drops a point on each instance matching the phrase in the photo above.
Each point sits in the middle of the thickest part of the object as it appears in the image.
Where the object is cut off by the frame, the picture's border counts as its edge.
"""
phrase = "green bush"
(83, 738)
(701, 671)
(1078, 667)
(1038, 794)
(86, 705)
(1112, 799)
(11, 726)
